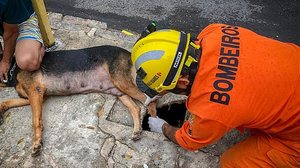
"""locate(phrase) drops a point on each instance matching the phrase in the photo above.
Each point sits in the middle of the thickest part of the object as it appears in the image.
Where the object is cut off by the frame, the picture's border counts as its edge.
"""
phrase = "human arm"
(169, 131)
(199, 132)
(194, 134)
(10, 35)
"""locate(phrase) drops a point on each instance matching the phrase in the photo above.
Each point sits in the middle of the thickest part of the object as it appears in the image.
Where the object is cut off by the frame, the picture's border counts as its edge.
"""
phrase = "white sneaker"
(57, 43)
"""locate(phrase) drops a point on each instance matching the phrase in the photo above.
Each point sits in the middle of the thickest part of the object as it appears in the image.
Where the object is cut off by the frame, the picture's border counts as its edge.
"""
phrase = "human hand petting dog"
(155, 124)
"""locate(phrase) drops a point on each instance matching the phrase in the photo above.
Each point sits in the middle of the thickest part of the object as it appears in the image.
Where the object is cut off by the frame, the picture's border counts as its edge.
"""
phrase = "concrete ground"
(77, 135)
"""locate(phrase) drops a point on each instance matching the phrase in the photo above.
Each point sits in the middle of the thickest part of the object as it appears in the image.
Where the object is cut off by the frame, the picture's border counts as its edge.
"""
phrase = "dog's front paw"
(36, 150)
(136, 135)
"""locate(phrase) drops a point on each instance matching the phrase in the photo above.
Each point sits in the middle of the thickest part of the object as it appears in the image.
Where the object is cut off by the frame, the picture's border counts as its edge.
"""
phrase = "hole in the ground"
(174, 114)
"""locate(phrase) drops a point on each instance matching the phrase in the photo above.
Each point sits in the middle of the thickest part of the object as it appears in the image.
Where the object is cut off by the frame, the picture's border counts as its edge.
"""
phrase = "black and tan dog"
(103, 69)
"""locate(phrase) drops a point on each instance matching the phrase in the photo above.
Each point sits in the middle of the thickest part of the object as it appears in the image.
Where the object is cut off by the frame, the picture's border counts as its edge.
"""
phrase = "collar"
(12, 74)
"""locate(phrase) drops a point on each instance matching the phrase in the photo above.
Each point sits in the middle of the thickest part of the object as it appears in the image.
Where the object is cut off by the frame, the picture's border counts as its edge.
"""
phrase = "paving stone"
(92, 31)
(55, 20)
(107, 147)
(96, 24)
(74, 23)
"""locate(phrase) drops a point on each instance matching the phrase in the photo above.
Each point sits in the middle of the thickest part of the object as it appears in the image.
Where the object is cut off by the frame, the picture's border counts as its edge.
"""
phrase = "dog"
(101, 69)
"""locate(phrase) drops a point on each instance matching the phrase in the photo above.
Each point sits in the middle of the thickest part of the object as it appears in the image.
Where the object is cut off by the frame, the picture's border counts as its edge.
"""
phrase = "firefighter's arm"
(194, 133)
(169, 132)
(197, 133)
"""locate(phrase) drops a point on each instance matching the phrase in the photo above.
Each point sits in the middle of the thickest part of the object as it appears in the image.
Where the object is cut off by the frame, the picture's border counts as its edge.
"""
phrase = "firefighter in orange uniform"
(234, 79)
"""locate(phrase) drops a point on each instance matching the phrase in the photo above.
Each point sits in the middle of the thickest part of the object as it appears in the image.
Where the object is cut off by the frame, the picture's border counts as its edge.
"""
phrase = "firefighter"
(234, 79)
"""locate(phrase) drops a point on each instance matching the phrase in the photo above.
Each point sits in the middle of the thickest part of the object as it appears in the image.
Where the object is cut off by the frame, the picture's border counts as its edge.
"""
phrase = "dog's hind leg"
(128, 87)
(135, 93)
(36, 96)
(131, 90)
(4, 106)
(135, 113)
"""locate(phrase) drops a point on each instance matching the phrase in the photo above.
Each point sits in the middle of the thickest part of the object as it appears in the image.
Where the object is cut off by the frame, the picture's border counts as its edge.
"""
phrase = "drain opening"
(173, 114)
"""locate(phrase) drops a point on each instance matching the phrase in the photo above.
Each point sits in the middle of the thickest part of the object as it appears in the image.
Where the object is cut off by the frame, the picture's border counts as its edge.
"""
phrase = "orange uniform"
(248, 81)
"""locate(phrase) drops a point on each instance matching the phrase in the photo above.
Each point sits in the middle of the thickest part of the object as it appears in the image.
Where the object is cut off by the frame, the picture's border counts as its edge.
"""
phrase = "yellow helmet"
(159, 59)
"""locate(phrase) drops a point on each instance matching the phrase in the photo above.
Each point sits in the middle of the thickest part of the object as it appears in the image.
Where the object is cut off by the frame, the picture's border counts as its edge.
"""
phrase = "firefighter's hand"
(155, 124)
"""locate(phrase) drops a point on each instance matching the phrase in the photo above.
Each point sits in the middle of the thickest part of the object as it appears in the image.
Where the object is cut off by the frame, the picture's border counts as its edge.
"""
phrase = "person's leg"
(253, 152)
(29, 48)
(29, 54)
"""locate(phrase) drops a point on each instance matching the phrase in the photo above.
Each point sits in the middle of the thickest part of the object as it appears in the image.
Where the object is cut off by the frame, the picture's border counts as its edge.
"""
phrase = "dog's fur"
(104, 69)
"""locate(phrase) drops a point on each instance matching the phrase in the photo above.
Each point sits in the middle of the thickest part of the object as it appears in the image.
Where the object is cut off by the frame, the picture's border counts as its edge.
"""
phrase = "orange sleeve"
(197, 133)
